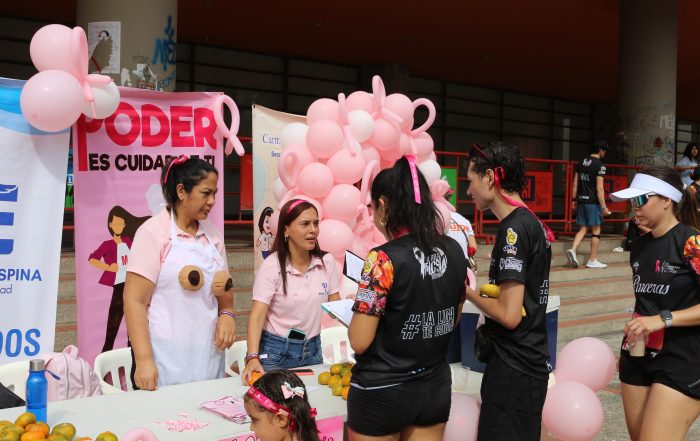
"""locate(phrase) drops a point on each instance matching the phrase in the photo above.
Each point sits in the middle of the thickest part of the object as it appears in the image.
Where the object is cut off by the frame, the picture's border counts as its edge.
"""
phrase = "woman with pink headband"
(408, 303)
(284, 324)
(179, 322)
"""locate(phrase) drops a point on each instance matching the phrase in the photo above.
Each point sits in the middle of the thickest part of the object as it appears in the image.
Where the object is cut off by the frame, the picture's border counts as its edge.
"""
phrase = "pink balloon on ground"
(572, 412)
(464, 418)
(52, 100)
(402, 106)
(424, 146)
(370, 153)
(323, 109)
(315, 180)
(346, 168)
(359, 101)
(385, 136)
(335, 237)
(342, 203)
(588, 361)
(324, 138)
(50, 48)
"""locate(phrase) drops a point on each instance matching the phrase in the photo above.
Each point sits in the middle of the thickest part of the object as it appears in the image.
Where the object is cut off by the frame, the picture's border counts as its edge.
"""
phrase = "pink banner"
(118, 163)
(329, 429)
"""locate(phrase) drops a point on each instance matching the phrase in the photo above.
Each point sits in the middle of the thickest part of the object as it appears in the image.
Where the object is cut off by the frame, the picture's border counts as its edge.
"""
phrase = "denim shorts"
(284, 353)
(589, 215)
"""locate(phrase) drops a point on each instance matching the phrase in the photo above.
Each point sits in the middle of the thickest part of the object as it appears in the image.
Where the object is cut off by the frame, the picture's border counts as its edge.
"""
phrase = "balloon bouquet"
(53, 99)
(346, 142)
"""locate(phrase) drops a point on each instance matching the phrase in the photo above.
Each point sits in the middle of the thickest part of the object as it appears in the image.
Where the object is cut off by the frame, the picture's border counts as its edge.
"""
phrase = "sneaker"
(618, 250)
(596, 264)
(573, 261)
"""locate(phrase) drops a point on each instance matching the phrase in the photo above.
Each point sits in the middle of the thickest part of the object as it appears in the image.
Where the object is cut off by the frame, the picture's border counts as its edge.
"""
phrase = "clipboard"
(353, 266)
(340, 310)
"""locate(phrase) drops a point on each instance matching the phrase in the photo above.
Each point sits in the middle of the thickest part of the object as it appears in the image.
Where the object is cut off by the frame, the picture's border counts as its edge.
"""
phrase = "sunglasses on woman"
(639, 201)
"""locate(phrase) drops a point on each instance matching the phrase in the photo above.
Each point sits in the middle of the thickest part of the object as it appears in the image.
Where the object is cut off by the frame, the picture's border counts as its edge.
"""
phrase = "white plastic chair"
(14, 377)
(109, 363)
(236, 353)
(334, 337)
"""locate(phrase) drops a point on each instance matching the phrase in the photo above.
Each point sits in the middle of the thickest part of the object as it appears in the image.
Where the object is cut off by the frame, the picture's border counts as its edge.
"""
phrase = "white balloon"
(294, 133)
(106, 101)
(278, 189)
(431, 170)
(155, 199)
(361, 124)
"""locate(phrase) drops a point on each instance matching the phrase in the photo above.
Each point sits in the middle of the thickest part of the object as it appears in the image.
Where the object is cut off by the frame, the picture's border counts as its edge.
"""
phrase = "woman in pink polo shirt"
(178, 328)
(285, 321)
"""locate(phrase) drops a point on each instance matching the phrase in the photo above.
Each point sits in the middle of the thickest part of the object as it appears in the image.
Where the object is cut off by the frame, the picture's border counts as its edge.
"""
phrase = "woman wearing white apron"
(178, 328)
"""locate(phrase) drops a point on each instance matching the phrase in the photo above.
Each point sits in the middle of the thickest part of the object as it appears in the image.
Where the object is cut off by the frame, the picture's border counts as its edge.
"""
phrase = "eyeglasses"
(639, 201)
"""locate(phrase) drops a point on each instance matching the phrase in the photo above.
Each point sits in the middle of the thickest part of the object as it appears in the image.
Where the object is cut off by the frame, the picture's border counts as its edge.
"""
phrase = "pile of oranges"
(338, 379)
(27, 428)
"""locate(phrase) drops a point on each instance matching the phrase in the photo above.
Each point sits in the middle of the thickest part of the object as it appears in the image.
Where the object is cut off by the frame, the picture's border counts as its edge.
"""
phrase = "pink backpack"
(70, 376)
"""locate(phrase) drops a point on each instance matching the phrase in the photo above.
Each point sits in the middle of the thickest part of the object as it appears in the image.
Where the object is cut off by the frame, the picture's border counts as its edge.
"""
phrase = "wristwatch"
(667, 317)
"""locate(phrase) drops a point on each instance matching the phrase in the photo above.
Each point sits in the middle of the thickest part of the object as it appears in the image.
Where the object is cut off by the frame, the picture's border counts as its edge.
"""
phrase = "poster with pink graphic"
(117, 167)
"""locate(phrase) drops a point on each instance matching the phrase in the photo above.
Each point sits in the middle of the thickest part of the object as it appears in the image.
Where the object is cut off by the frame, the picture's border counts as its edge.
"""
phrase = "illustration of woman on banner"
(266, 239)
(112, 257)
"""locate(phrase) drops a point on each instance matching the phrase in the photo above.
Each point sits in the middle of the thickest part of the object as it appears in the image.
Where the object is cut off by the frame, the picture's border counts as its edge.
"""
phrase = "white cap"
(644, 184)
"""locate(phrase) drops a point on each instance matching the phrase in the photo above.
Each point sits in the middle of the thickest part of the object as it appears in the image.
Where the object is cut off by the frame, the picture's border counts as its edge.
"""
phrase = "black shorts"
(387, 410)
(512, 402)
(644, 371)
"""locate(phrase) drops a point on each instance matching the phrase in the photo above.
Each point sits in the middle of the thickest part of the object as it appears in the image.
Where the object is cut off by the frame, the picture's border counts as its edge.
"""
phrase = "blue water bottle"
(37, 389)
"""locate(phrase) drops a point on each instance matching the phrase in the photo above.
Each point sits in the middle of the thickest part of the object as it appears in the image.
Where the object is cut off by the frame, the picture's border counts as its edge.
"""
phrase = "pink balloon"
(323, 109)
(291, 195)
(370, 153)
(402, 106)
(52, 100)
(342, 203)
(324, 138)
(346, 168)
(464, 418)
(50, 48)
(139, 434)
(292, 160)
(335, 237)
(386, 163)
(274, 222)
(377, 236)
(444, 214)
(315, 180)
(588, 361)
(572, 412)
(385, 136)
(359, 101)
(359, 248)
(424, 146)
(393, 154)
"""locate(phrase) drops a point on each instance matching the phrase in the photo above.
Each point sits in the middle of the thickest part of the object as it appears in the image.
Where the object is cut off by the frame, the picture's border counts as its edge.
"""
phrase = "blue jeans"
(285, 353)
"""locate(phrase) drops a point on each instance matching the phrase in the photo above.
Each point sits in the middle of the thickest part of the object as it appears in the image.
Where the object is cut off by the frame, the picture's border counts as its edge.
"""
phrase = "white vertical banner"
(267, 148)
(32, 188)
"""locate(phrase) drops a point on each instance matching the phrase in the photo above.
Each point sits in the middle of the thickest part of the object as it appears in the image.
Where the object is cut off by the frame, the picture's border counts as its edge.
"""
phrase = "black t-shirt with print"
(523, 254)
(666, 275)
(588, 170)
(416, 296)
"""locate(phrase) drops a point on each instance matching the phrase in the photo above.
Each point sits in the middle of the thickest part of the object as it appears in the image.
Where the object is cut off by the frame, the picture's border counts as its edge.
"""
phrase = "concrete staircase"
(594, 302)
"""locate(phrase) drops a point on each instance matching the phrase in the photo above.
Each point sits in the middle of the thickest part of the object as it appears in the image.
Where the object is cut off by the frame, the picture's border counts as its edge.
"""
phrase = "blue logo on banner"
(8, 193)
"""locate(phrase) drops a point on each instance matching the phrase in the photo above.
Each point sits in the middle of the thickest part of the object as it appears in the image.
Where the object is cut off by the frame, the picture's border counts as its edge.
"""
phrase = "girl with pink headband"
(279, 408)
(284, 325)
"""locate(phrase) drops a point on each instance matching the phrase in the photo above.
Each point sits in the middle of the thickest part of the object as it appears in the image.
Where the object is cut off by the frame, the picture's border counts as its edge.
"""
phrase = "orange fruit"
(335, 380)
(323, 377)
(84, 438)
(56, 437)
(32, 436)
(66, 430)
(254, 376)
(38, 427)
(25, 418)
(336, 368)
(345, 392)
(345, 381)
(337, 390)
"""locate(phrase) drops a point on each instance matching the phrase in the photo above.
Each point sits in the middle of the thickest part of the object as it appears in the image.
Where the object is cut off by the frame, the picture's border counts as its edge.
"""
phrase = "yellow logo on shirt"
(511, 237)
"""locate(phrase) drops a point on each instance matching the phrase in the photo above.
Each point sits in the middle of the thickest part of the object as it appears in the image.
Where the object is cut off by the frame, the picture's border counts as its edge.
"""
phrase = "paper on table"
(353, 266)
(340, 310)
